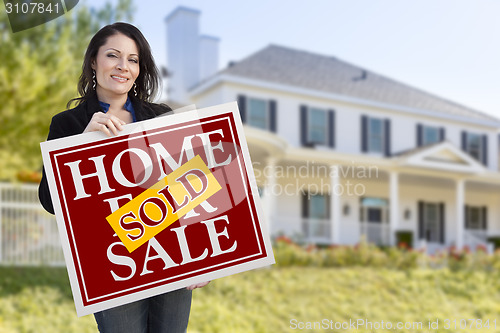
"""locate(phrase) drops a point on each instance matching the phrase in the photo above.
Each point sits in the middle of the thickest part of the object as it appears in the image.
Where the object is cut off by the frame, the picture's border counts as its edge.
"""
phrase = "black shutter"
(421, 220)
(364, 134)
(242, 105)
(305, 205)
(420, 130)
(441, 222)
(387, 137)
(466, 217)
(464, 140)
(328, 208)
(442, 134)
(305, 213)
(303, 125)
(484, 155)
(331, 128)
(361, 210)
(484, 213)
(272, 116)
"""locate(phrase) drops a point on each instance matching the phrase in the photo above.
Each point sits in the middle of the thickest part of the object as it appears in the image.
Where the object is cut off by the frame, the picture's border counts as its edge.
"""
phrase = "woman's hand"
(106, 123)
(198, 285)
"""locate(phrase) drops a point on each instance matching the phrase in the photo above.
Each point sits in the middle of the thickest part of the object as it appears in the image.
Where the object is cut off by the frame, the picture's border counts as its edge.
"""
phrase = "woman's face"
(116, 67)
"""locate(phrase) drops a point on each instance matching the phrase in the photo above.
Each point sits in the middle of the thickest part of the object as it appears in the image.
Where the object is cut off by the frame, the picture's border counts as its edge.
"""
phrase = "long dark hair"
(147, 82)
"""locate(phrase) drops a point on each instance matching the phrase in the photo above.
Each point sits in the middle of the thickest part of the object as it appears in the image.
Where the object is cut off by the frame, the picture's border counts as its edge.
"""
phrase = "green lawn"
(278, 300)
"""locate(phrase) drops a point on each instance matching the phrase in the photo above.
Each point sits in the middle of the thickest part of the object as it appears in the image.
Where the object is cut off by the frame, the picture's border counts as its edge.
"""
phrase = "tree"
(39, 70)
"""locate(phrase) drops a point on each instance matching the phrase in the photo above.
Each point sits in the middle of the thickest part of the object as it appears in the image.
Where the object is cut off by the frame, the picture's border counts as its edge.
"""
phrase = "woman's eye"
(111, 55)
(134, 60)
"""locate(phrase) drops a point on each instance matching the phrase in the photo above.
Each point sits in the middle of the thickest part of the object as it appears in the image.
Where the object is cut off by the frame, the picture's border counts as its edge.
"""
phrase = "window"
(318, 205)
(475, 220)
(475, 217)
(430, 135)
(474, 145)
(316, 214)
(375, 135)
(318, 126)
(431, 221)
(257, 113)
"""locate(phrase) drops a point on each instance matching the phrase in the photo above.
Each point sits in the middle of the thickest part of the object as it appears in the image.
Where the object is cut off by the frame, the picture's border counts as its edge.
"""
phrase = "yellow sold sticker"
(162, 204)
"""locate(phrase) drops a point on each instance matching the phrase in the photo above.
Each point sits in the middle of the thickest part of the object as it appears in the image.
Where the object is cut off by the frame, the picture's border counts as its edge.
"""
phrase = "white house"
(340, 152)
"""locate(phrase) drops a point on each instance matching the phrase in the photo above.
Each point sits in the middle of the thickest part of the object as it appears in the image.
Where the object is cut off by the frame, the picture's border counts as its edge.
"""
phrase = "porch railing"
(377, 233)
(473, 239)
(28, 234)
(477, 238)
(307, 229)
(317, 230)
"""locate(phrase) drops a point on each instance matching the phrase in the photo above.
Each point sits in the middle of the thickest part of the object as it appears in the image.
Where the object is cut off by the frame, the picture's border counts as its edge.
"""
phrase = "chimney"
(209, 56)
(191, 57)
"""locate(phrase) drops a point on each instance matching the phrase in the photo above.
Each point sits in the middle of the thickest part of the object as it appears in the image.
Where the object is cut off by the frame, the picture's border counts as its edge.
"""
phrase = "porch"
(439, 195)
(318, 231)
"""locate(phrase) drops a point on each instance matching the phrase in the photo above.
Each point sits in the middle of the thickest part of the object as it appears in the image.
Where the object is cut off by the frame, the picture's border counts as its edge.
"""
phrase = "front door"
(374, 220)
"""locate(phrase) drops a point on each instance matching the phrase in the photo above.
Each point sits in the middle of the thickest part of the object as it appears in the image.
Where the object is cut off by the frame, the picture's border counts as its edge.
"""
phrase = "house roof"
(304, 69)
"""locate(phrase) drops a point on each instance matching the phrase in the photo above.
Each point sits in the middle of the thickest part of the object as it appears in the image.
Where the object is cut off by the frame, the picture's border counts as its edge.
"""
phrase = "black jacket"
(74, 121)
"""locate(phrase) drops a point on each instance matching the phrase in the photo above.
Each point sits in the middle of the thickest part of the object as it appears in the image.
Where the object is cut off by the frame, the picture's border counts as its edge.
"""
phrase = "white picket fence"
(28, 234)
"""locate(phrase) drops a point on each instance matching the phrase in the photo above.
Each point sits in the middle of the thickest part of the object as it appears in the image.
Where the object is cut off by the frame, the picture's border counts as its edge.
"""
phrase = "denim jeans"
(167, 312)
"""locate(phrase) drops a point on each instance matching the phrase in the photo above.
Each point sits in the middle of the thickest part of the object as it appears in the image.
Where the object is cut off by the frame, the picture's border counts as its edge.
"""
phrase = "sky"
(450, 48)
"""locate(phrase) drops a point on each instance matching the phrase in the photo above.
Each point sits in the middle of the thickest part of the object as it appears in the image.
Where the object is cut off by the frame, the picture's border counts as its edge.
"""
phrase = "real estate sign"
(167, 203)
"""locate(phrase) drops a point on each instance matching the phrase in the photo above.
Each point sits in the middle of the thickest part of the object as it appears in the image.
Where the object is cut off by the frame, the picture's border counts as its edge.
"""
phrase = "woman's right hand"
(106, 123)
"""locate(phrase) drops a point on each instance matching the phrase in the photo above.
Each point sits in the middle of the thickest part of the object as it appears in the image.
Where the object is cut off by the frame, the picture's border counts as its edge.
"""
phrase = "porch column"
(268, 193)
(335, 193)
(393, 206)
(459, 208)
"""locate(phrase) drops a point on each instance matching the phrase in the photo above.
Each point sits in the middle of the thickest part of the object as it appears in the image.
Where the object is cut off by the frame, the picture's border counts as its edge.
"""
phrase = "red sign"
(91, 177)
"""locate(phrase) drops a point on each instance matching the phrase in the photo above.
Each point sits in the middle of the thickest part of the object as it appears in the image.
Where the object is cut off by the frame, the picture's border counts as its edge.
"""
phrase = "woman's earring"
(94, 83)
(135, 91)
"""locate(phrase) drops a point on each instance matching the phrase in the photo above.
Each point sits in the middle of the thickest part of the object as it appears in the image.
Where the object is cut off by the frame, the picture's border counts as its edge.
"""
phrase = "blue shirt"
(128, 106)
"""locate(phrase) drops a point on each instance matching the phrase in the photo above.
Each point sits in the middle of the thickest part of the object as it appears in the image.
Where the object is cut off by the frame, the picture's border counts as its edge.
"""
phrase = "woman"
(118, 82)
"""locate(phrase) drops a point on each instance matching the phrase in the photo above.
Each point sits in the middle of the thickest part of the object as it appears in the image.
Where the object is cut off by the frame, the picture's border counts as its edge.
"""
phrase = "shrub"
(288, 253)
(495, 241)
(404, 238)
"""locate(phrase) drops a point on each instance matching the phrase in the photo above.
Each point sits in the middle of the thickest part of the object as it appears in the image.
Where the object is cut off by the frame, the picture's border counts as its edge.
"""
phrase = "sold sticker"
(162, 204)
